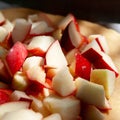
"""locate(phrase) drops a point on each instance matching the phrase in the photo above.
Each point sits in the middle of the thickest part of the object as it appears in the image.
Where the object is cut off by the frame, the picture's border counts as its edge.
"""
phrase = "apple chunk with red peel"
(92, 51)
(16, 57)
(91, 93)
(68, 107)
(24, 114)
(55, 57)
(104, 77)
(12, 106)
(63, 82)
(21, 30)
(90, 112)
(72, 38)
(105, 62)
(101, 41)
(39, 45)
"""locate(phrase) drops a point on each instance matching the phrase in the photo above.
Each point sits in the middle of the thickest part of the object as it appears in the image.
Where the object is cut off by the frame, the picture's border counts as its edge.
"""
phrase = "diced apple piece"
(40, 44)
(91, 93)
(55, 57)
(38, 106)
(16, 57)
(33, 18)
(68, 107)
(40, 28)
(54, 116)
(19, 81)
(32, 61)
(105, 62)
(64, 22)
(8, 25)
(101, 41)
(24, 114)
(104, 77)
(21, 30)
(63, 82)
(92, 51)
(12, 106)
(36, 73)
(2, 18)
(90, 112)
(3, 34)
(19, 96)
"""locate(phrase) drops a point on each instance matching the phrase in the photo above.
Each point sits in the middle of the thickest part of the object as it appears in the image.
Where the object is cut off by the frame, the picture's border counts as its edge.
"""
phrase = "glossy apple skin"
(15, 57)
(83, 66)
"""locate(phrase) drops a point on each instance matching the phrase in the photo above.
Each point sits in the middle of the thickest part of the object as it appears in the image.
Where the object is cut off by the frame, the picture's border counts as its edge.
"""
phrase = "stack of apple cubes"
(52, 71)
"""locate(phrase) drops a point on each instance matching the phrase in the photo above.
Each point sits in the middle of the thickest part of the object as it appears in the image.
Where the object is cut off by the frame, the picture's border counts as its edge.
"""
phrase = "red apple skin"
(83, 66)
(15, 57)
(4, 95)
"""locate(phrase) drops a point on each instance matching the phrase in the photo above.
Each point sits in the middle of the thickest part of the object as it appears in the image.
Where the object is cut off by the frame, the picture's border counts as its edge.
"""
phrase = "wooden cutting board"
(87, 28)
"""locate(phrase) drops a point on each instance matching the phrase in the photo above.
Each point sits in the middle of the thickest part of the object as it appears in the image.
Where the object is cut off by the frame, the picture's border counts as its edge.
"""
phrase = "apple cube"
(54, 116)
(104, 77)
(38, 106)
(31, 62)
(101, 41)
(13, 106)
(24, 114)
(40, 28)
(20, 81)
(91, 93)
(67, 107)
(55, 57)
(90, 112)
(19, 96)
(105, 62)
(63, 82)
(21, 30)
(16, 57)
(92, 51)
(64, 22)
(40, 44)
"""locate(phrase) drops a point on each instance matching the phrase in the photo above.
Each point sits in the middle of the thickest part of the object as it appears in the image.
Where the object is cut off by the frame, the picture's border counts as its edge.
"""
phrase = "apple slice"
(55, 57)
(72, 38)
(68, 107)
(2, 18)
(92, 51)
(95, 96)
(101, 41)
(40, 44)
(63, 82)
(38, 106)
(21, 30)
(33, 18)
(12, 106)
(65, 21)
(16, 57)
(104, 77)
(32, 61)
(54, 116)
(40, 28)
(19, 81)
(90, 112)
(24, 114)
(20, 96)
(105, 62)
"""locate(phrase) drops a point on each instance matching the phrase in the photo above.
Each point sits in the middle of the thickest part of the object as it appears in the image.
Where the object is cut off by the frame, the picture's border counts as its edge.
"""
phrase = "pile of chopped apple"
(53, 72)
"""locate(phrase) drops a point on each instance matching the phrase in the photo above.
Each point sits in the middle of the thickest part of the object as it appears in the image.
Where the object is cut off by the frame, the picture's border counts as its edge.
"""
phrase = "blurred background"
(100, 11)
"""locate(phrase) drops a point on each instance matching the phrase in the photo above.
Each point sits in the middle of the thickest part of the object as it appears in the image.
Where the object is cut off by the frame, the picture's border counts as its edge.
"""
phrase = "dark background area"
(92, 10)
